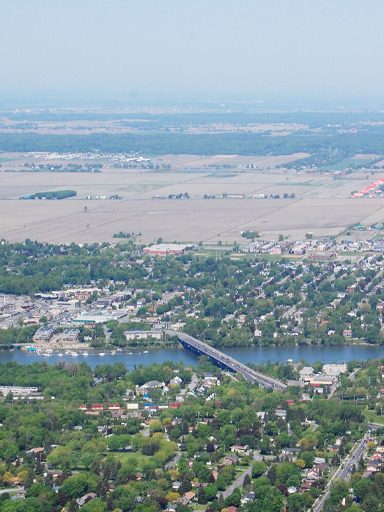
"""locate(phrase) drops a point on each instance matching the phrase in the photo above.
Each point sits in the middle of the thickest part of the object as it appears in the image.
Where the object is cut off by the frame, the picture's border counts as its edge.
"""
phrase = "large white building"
(143, 335)
(164, 249)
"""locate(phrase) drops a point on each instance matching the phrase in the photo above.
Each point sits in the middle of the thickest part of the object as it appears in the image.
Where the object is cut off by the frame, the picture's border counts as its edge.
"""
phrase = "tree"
(285, 470)
(201, 496)
(186, 484)
(75, 486)
(362, 488)
(95, 505)
(339, 491)
(155, 426)
(258, 469)
(28, 482)
(66, 468)
(247, 481)
(234, 498)
(11, 452)
(172, 496)
(272, 475)
(73, 506)
(211, 492)
(265, 446)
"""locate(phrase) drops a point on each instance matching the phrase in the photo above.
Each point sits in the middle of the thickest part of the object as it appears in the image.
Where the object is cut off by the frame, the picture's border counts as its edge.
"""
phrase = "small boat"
(145, 352)
(85, 353)
(60, 354)
(113, 352)
(74, 354)
(47, 354)
(102, 354)
(129, 353)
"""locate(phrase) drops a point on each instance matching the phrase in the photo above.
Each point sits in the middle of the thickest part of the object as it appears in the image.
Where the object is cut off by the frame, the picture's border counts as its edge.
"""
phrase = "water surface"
(244, 355)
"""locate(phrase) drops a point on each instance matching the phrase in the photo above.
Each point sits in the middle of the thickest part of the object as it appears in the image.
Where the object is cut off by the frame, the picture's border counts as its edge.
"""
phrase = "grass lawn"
(309, 429)
(137, 457)
(372, 416)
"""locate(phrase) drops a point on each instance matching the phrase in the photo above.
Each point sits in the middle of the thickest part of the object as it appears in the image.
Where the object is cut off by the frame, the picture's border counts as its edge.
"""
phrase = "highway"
(225, 361)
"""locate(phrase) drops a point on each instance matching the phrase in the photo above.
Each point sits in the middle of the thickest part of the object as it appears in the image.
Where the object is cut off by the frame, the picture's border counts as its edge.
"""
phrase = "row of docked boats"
(73, 353)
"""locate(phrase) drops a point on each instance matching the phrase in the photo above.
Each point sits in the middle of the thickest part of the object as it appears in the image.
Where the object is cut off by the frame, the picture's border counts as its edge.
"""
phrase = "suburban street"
(13, 489)
(191, 386)
(239, 480)
(237, 483)
(172, 463)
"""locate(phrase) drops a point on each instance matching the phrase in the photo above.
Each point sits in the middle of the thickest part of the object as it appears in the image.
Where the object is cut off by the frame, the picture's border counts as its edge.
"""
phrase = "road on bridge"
(226, 361)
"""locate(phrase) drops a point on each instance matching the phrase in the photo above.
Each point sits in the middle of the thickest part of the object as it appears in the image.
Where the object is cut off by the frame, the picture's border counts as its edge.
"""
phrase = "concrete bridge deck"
(224, 361)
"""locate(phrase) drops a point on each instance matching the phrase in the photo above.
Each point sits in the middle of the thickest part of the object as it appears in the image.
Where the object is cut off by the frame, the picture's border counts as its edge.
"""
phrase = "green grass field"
(138, 458)
(372, 416)
(351, 163)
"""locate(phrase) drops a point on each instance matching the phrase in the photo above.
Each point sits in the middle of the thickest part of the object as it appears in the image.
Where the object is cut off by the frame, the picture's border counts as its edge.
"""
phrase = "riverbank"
(59, 346)
(81, 346)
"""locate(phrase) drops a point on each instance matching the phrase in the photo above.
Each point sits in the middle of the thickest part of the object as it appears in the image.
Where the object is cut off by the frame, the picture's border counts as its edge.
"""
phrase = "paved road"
(174, 461)
(343, 471)
(237, 483)
(257, 456)
(191, 386)
(239, 480)
(13, 489)
(146, 432)
(290, 312)
(375, 425)
(352, 375)
(227, 374)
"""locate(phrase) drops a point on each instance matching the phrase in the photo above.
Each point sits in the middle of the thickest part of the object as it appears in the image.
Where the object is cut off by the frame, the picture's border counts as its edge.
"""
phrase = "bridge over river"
(224, 361)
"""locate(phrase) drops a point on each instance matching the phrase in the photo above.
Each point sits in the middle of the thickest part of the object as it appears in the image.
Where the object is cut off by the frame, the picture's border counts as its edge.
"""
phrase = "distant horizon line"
(174, 97)
(68, 101)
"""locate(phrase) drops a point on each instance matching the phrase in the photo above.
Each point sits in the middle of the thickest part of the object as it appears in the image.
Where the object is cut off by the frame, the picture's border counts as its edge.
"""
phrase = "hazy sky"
(233, 47)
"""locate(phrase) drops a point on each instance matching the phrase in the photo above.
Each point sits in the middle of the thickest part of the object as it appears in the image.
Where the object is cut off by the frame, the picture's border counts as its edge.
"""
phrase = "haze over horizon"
(219, 49)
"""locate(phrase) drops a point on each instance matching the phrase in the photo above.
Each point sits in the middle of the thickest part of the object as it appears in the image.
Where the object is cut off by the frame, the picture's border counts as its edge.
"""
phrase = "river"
(245, 355)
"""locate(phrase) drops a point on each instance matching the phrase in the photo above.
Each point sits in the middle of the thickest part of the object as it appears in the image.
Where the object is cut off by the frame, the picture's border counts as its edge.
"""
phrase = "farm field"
(180, 220)
(316, 202)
